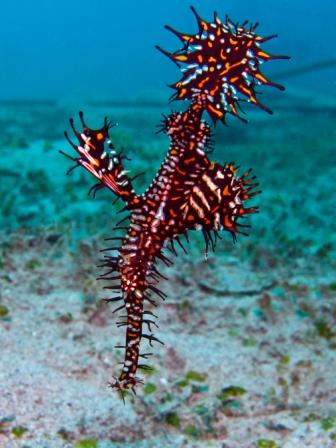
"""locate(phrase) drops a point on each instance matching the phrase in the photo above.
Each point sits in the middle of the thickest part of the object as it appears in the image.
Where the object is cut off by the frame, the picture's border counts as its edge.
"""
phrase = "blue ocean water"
(106, 48)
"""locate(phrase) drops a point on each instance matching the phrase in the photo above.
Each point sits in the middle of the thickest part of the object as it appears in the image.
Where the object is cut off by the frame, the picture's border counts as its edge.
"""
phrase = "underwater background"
(250, 338)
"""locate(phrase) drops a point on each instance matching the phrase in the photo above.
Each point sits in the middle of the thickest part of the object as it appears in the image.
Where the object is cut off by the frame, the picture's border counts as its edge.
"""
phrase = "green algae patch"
(192, 375)
(328, 423)
(149, 388)
(33, 264)
(233, 332)
(323, 329)
(86, 443)
(332, 286)
(4, 311)
(18, 431)
(192, 431)
(182, 383)
(148, 371)
(266, 443)
(243, 311)
(231, 392)
(249, 342)
(230, 400)
(284, 360)
(173, 419)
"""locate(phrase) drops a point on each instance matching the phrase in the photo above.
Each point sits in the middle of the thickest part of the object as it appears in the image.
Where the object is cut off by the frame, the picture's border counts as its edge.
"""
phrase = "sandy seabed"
(249, 359)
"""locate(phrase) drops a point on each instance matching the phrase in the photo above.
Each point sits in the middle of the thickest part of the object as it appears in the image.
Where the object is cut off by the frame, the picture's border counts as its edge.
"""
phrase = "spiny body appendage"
(189, 191)
(221, 66)
(98, 155)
